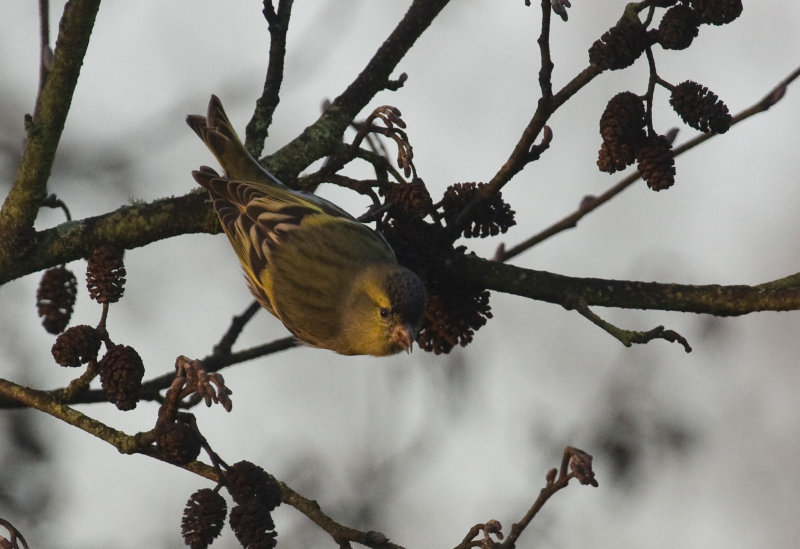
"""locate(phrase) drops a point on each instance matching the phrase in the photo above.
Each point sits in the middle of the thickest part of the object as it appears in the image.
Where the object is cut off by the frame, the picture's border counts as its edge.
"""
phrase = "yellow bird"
(333, 282)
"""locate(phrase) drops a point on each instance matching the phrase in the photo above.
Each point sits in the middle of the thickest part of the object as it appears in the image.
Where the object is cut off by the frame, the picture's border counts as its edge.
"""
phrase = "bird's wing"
(258, 217)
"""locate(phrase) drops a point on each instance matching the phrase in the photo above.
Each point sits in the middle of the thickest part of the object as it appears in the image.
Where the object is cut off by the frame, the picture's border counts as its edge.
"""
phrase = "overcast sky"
(422, 447)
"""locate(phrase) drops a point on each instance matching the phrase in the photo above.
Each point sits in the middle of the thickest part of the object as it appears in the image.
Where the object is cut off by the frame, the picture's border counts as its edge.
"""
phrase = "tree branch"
(139, 225)
(128, 227)
(319, 139)
(590, 204)
(47, 403)
(714, 299)
(44, 130)
(340, 533)
(129, 444)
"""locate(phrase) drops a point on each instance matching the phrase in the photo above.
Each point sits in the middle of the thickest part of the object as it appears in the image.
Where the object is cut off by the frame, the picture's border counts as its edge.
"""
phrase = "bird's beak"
(404, 335)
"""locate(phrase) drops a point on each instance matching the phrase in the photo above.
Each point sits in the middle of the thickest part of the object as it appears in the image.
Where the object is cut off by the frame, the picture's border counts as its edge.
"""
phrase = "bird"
(332, 281)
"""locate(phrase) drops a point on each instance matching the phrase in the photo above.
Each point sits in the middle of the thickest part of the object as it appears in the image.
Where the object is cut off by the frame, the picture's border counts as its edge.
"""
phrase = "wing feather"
(258, 220)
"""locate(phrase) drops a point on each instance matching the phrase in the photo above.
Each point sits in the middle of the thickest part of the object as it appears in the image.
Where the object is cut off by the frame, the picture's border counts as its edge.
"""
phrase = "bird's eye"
(384, 312)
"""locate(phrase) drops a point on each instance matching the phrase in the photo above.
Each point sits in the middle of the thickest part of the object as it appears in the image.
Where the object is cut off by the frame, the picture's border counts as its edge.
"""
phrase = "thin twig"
(52, 201)
(629, 337)
(526, 150)
(546, 70)
(575, 464)
(45, 52)
(223, 348)
(214, 363)
(258, 127)
(150, 389)
(14, 534)
(327, 174)
(340, 533)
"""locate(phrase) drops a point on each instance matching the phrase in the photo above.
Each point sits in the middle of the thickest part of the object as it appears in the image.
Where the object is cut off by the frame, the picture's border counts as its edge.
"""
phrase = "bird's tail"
(216, 131)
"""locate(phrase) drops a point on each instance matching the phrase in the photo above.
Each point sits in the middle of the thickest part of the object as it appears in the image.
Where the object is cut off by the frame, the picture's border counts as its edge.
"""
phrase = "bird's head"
(384, 312)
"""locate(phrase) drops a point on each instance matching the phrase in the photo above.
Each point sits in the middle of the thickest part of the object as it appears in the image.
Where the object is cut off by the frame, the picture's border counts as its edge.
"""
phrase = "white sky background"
(469, 436)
